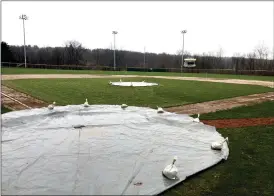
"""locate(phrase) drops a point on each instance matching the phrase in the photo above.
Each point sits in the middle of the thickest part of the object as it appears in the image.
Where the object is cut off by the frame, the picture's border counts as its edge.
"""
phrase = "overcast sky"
(237, 27)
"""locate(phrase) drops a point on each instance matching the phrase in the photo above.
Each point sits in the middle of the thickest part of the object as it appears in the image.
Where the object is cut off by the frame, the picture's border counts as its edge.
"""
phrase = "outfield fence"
(141, 69)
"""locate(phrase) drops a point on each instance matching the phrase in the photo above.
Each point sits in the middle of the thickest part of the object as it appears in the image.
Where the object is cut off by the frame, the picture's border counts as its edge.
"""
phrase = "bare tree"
(251, 60)
(210, 53)
(74, 52)
(261, 51)
(220, 52)
(219, 55)
(57, 56)
(236, 61)
(186, 53)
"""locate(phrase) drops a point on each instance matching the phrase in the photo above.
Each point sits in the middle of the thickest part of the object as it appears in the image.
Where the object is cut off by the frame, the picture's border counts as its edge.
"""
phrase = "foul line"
(16, 100)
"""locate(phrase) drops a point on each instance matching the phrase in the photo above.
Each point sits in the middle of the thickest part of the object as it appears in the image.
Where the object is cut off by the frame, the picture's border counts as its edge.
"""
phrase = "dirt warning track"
(51, 76)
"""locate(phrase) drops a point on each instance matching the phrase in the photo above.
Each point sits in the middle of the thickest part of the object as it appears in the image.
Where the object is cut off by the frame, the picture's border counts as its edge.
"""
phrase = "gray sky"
(237, 27)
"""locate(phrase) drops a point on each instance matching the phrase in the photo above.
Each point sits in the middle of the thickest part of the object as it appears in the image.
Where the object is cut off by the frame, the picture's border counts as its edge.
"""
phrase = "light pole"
(24, 17)
(183, 32)
(114, 63)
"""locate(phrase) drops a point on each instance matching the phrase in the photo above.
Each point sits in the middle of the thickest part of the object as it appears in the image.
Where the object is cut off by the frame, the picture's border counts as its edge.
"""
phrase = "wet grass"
(4, 110)
(98, 91)
(265, 109)
(204, 75)
(248, 171)
(249, 168)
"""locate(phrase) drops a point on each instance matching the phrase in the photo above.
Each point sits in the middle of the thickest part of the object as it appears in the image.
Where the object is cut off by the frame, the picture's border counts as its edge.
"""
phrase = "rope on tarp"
(16, 100)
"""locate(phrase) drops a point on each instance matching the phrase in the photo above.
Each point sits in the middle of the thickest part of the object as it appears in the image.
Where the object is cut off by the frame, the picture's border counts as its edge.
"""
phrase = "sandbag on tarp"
(102, 149)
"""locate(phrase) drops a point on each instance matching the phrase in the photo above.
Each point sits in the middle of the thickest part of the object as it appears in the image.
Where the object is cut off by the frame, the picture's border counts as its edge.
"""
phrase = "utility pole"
(24, 17)
(183, 32)
(114, 63)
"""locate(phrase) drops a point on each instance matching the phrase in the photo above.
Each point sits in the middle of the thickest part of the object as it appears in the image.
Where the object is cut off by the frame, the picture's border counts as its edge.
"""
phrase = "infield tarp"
(117, 152)
(133, 84)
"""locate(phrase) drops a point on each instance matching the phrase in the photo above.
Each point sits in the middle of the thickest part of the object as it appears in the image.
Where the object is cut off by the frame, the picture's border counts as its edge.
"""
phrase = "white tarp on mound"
(133, 84)
(116, 152)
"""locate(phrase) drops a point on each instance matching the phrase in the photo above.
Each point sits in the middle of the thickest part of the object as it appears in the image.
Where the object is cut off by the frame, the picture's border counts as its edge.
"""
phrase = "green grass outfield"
(204, 75)
(98, 91)
(247, 171)
(265, 109)
(249, 168)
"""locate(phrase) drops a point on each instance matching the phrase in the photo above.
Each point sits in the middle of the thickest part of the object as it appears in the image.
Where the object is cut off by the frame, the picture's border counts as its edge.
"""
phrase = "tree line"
(73, 53)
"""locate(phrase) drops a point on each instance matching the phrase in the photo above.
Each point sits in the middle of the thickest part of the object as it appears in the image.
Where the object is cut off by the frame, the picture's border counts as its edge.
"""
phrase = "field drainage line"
(16, 100)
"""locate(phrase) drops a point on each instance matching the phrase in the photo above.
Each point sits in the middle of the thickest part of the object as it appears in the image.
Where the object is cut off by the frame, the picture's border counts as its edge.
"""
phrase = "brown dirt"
(244, 122)
(231, 81)
(223, 104)
(22, 97)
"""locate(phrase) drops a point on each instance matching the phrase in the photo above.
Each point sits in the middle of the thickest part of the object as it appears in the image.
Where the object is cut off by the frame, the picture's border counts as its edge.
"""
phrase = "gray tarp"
(133, 84)
(117, 152)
